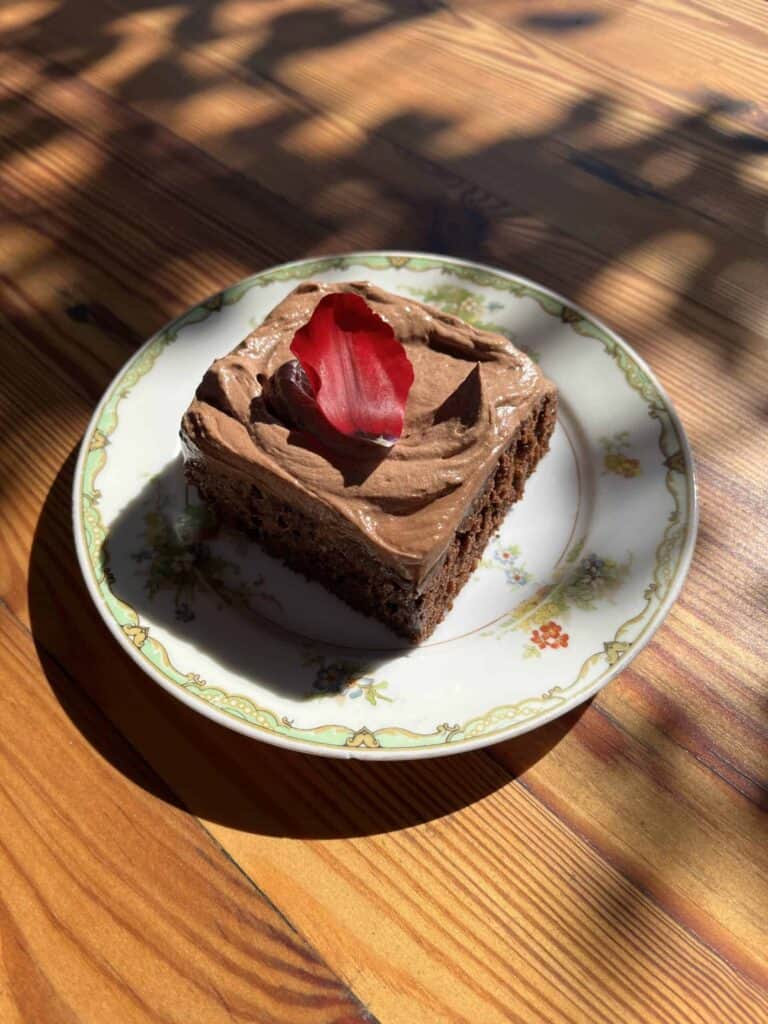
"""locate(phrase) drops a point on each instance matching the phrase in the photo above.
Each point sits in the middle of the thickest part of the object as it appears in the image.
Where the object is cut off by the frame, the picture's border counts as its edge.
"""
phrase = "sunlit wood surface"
(610, 867)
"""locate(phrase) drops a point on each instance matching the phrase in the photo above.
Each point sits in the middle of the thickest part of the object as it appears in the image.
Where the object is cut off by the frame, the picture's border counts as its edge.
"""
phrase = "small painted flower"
(615, 460)
(622, 465)
(629, 467)
(457, 301)
(550, 635)
(592, 567)
(331, 678)
(346, 681)
(591, 579)
(509, 560)
(372, 691)
(595, 578)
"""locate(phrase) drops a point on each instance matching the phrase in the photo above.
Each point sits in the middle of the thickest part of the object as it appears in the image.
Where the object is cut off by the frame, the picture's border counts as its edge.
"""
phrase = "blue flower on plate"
(508, 558)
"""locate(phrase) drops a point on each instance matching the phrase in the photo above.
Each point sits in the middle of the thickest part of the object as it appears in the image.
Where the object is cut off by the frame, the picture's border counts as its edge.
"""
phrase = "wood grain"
(609, 866)
(592, 139)
(114, 905)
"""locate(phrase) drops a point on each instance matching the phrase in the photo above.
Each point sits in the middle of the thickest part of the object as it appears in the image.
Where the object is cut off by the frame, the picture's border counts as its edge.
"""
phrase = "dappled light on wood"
(608, 866)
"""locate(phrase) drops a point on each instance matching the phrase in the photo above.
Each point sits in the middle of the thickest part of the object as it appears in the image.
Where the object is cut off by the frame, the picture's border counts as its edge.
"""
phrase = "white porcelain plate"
(579, 578)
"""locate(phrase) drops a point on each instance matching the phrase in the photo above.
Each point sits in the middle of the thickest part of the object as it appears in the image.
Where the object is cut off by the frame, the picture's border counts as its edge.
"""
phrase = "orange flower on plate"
(550, 635)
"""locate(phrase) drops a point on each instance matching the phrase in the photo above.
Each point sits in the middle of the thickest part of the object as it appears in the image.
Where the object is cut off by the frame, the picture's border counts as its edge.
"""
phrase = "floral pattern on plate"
(176, 556)
(508, 558)
(615, 459)
(236, 648)
(338, 679)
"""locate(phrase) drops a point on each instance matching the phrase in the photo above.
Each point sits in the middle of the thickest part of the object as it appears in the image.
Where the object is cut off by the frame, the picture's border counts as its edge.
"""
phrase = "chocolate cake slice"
(395, 532)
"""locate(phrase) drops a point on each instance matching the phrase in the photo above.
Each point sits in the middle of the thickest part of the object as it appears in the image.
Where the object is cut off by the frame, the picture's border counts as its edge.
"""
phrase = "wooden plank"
(116, 906)
(675, 44)
(657, 793)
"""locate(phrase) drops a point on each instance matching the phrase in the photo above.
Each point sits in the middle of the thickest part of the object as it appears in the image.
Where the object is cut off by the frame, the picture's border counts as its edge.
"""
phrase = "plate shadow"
(195, 764)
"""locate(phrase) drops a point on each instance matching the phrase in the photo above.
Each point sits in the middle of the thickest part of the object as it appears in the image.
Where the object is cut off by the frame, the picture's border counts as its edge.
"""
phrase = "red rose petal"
(358, 369)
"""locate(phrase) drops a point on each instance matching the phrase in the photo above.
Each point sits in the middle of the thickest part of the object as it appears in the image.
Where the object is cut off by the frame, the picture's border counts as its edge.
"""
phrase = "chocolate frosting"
(470, 392)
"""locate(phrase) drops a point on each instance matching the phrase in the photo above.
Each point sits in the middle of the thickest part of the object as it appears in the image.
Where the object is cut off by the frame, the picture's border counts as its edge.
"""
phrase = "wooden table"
(611, 866)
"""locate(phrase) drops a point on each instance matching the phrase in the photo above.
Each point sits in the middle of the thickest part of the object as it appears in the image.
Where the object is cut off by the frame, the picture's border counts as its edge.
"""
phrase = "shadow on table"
(561, 198)
(562, 194)
(218, 775)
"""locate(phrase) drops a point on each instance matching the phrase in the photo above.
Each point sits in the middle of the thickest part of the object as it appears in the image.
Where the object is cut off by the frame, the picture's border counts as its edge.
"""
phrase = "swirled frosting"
(471, 391)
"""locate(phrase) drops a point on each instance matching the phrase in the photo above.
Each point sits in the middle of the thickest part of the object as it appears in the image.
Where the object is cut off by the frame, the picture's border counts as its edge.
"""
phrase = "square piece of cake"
(395, 532)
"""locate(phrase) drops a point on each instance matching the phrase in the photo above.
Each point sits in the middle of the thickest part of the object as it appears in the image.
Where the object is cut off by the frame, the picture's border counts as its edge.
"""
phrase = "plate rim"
(387, 753)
